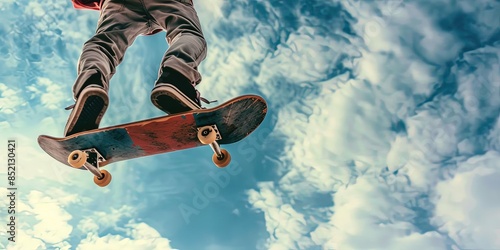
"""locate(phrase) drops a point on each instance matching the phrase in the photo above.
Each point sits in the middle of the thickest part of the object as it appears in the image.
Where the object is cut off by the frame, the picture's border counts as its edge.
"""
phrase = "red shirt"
(96, 5)
(87, 4)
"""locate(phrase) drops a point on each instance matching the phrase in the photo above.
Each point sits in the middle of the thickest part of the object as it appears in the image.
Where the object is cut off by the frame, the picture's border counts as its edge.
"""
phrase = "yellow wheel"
(207, 135)
(224, 161)
(77, 158)
(105, 180)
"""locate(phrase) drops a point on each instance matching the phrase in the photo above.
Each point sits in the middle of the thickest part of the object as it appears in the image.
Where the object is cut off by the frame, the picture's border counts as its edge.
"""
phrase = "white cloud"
(382, 141)
(87, 225)
(494, 136)
(236, 212)
(468, 205)
(5, 126)
(111, 218)
(10, 100)
(365, 217)
(480, 83)
(137, 236)
(230, 62)
(208, 11)
(26, 241)
(40, 165)
(128, 235)
(4, 3)
(50, 93)
(52, 225)
(34, 8)
(42, 219)
(285, 226)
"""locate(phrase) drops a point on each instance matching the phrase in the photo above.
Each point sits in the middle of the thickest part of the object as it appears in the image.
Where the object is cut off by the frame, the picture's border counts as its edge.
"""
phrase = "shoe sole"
(95, 102)
(171, 100)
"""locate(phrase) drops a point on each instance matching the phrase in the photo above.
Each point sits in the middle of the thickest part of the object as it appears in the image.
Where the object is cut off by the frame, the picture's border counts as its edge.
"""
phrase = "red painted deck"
(164, 136)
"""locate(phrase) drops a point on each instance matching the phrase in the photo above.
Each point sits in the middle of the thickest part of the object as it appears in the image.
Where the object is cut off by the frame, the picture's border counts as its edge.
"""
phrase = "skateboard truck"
(209, 135)
(90, 159)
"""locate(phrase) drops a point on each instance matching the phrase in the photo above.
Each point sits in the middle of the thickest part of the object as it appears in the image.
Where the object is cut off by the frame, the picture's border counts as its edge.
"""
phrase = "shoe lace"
(205, 100)
(70, 107)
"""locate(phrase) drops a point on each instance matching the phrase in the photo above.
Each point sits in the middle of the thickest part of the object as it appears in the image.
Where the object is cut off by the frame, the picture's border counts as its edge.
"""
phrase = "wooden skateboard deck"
(234, 120)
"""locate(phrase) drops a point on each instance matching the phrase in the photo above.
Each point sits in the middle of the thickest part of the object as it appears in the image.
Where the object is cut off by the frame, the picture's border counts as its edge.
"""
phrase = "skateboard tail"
(240, 119)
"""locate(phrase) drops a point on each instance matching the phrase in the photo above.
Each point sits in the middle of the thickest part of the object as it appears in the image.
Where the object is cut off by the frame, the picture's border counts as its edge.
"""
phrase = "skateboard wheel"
(104, 181)
(77, 158)
(223, 161)
(207, 135)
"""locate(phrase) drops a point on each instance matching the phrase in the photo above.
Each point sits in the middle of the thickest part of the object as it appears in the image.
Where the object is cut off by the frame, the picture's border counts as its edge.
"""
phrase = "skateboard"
(227, 123)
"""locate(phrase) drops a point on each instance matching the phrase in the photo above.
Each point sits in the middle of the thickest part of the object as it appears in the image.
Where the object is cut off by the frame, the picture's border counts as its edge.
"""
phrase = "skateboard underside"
(234, 120)
(224, 124)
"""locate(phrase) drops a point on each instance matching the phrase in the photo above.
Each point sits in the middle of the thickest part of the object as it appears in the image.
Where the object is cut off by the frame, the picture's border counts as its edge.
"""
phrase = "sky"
(382, 132)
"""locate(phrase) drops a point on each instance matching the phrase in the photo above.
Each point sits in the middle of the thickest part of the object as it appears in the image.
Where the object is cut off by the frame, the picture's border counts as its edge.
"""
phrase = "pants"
(121, 21)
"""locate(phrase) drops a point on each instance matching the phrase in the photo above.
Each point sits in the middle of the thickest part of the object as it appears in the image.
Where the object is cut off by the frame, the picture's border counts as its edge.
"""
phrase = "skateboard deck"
(227, 123)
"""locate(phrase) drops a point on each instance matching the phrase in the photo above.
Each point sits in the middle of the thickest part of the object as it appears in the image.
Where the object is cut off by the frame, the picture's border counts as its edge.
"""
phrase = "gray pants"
(121, 21)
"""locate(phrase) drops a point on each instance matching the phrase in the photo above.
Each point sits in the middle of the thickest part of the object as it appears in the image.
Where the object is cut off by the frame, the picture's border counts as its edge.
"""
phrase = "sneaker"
(174, 93)
(88, 110)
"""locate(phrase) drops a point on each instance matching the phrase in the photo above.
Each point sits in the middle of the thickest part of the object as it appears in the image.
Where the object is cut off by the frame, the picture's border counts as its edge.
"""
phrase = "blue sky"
(382, 131)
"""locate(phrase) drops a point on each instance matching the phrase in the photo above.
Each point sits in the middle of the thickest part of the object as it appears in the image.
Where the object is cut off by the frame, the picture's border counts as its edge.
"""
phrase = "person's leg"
(120, 22)
(118, 26)
(175, 88)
